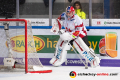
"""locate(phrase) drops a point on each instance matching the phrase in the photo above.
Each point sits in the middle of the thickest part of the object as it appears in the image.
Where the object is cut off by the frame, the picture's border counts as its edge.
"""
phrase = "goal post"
(21, 31)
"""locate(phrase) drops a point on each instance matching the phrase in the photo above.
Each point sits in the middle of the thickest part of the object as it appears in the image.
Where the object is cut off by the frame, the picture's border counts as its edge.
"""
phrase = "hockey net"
(17, 46)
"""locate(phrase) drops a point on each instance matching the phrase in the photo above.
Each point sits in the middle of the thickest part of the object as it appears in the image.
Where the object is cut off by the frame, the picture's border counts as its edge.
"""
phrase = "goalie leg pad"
(86, 52)
(55, 54)
(54, 58)
(60, 53)
(60, 60)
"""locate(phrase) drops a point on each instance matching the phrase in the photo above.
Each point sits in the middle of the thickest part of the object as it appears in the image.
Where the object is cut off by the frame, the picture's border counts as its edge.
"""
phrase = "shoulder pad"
(62, 14)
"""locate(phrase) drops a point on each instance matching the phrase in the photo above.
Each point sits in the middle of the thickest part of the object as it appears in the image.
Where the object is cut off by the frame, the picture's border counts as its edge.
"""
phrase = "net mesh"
(16, 33)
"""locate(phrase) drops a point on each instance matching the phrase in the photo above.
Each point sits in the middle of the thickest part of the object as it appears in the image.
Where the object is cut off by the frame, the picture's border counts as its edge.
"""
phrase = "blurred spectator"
(78, 10)
(46, 2)
(70, 1)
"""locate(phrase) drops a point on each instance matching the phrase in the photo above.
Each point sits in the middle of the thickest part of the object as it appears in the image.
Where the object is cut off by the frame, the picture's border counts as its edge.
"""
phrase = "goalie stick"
(86, 64)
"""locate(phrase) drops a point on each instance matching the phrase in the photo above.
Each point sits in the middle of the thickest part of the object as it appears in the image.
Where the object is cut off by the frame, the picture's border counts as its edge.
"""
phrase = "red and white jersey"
(74, 25)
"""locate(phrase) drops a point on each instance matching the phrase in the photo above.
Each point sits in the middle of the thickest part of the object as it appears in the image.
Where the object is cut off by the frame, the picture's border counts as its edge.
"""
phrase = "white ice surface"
(62, 73)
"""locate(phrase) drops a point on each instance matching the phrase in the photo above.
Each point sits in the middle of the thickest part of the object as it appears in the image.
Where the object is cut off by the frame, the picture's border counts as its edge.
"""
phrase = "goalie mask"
(70, 11)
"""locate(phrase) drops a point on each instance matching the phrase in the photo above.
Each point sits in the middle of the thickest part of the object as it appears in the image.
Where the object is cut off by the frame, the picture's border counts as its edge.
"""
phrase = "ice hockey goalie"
(76, 34)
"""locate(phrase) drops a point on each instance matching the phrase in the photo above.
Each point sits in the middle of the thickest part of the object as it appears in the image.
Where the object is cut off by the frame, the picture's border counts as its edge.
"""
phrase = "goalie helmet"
(70, 10)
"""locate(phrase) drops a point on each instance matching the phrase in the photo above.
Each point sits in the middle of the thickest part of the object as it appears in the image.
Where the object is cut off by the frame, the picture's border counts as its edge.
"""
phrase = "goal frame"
(26, 47)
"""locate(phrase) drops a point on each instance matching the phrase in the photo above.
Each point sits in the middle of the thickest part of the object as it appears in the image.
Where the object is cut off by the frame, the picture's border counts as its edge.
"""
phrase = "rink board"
(46, 51)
